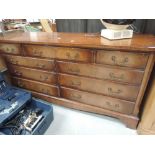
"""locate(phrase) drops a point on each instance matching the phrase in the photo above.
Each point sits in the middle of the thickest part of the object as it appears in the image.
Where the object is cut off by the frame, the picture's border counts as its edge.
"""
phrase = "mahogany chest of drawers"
(83, 71)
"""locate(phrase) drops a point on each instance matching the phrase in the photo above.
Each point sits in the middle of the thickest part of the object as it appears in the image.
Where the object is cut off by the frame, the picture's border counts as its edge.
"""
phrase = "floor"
(74, 122)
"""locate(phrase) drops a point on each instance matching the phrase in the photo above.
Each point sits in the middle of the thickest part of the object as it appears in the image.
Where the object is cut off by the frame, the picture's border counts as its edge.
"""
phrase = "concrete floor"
(69, 121)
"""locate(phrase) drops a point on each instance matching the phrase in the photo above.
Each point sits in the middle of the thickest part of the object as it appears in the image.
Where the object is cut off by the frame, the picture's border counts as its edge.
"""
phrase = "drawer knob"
(111, 91)
(114, 77)
(76, 96)
(123, 62)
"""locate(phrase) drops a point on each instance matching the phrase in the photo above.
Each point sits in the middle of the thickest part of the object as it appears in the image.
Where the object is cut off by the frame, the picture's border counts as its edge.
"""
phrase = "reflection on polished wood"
(139, 42)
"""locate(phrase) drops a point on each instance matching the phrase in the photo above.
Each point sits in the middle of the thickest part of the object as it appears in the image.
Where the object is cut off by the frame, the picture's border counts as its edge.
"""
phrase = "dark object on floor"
(20, 114)
(12, 100)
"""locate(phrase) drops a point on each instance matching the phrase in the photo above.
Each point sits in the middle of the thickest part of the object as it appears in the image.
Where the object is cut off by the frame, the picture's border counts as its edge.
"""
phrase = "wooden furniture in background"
(83, 71)
(53, 25)
(147, 123)
(48, 26)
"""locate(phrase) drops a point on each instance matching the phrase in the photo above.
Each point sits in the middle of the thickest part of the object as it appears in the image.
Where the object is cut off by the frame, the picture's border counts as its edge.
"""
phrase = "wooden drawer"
(65, 53)
(10, 48)
(98, 100)
(126, 92)
(31, 62)
(2, 64)
(122, 59)
(36, 86)
(33, 74)
(102, 72)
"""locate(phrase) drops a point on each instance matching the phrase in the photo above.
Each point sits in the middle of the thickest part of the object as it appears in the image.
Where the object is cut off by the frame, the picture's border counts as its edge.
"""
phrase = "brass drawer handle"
(37, 53)
(15, 62)
(44, 78)
(74, 56)
(114, 92)
(113, 106)
(45, 91)
(12, 49)
(7, 50)
(20, 84)
(18, 73)
(77, 96)
(123, 62)
(76, 83)
(40, 65)
(114, 77)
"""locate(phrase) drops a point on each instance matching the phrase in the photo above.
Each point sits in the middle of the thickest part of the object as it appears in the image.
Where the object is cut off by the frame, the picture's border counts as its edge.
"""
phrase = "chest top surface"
(139, 42)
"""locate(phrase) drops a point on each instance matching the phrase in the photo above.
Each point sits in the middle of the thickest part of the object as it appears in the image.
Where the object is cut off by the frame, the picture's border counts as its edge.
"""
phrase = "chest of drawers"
(83, 71)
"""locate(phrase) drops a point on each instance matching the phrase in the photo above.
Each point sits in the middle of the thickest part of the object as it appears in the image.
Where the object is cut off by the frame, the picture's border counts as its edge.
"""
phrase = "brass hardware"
(76, 96)
(40, 65)
(20, 84)
(123, 62)
(18, 73)
(44, 78)
(37, 53)
(45, 91)
(114, 92)
(69, 56)
(113, 106)
(12, 49)
(7, 49)
(113, 77)
(76, 83)
(13, 61)
(76, 56)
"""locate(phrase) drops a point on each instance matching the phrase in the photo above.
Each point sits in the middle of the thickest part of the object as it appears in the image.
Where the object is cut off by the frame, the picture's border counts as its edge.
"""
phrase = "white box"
(116, 34)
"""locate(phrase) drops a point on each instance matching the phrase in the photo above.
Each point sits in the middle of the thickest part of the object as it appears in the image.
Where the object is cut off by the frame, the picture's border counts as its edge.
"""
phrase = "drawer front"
(31, 62)
(10, 48)
(33, 74)
(126, 92)
(101, 72)
(122, 59)
(75, 54)
(36, 86)
(2, 64)
(98, 100)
